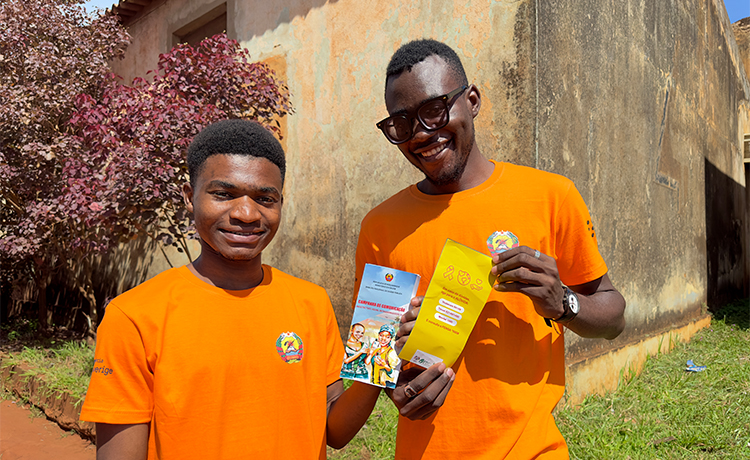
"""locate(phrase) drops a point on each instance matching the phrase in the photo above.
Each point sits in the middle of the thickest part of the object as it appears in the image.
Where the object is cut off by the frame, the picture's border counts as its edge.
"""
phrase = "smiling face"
(358, 331)
(442, 154)
(236, 202)
(384, 338)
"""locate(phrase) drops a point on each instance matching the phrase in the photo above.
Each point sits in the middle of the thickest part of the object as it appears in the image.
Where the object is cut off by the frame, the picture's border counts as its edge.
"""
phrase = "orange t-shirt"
(511, 373)
(219, 374)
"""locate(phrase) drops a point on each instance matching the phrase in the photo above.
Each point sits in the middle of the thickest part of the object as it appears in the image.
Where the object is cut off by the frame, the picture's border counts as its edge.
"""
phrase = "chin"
(240, 257)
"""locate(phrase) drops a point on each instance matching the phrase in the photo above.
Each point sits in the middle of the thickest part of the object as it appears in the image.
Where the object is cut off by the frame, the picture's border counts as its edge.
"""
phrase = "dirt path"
(23, 437)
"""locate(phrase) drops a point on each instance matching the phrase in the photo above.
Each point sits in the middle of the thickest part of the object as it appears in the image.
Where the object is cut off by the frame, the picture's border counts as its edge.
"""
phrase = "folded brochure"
(384, 295)
(460, 286)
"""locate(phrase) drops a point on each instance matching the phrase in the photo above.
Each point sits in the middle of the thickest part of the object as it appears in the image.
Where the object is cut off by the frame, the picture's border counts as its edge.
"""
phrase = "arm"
(348, 411)
(355, 355)
(121, 442)
(602, 306)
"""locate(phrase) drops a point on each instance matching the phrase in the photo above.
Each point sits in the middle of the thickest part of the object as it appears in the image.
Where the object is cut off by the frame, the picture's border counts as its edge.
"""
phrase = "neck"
(232, 275)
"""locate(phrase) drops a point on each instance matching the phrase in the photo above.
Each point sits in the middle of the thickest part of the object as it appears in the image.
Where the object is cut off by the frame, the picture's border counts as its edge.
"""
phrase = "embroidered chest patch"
(290, 348)
(501, 241)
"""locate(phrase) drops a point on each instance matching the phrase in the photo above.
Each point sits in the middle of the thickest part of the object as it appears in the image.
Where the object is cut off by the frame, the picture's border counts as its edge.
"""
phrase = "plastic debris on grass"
(691, 367)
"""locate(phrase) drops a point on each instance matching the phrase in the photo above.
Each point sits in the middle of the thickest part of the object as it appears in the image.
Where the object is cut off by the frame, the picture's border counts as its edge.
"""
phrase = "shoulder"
(148, 293)
(398, 203)
(530, 177)
(296, 287)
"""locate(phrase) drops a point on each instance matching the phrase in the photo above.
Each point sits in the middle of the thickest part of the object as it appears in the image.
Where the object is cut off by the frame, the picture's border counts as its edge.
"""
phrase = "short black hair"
(414, 52)
(235, 137)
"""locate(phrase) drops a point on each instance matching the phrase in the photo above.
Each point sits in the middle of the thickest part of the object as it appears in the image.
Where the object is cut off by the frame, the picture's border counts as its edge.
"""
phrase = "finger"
(431, 397)
(408, 320)
(524, 275)
(401, 340)
(510, 253)
(526, 259)
(416, 301)
(427, 410)
(410, 315)
(405, 329)
(423, 380)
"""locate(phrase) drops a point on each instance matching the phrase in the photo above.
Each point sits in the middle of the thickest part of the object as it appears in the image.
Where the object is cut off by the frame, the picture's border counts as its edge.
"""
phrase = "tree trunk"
(41, 285)
(86, 288)
(41, 279)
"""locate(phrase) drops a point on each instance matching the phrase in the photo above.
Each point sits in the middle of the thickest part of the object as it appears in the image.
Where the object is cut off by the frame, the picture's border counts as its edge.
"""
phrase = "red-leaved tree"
(50, 52)
(121, 164)
(136, 137)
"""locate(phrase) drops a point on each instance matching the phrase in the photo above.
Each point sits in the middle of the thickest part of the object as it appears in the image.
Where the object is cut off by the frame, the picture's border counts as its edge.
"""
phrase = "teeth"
(434, 151)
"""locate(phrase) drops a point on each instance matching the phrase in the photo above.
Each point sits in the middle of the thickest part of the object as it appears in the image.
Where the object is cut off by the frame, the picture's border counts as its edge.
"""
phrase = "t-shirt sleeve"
(121, 387)
(366, 254)
(335, 348)
(578, 258)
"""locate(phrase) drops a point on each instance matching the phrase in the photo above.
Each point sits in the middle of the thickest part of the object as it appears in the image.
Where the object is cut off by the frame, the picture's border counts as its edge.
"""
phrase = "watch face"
(573, 302)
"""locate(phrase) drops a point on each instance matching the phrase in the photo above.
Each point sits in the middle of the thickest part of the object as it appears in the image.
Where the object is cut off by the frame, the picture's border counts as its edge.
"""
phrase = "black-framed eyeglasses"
(433, 114)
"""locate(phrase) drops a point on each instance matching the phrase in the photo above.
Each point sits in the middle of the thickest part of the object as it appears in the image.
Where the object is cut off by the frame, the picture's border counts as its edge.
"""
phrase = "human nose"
(419, 131)
(245, 210)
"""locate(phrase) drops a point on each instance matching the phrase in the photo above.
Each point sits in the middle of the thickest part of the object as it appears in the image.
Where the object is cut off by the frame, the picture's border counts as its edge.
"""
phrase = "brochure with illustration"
(460, 286)
(384, 295)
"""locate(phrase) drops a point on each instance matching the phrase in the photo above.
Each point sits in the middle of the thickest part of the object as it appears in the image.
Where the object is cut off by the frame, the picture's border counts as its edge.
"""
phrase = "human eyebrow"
(221, 184)
(224, 185)
(268, 190)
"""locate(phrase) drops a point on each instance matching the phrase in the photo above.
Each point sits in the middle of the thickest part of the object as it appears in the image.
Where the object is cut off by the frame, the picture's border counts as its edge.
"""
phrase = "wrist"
(571, 306)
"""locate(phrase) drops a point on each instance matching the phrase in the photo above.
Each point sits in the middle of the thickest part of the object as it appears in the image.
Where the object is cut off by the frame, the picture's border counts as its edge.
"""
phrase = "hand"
(408, 320)
(520, 270)
(420, 392)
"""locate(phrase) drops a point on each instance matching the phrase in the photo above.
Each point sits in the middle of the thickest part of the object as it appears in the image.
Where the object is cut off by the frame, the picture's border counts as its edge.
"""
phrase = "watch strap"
(568, 313)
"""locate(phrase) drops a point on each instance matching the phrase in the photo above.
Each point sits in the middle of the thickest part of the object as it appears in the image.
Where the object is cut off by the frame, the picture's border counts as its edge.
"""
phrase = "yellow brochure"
(459, 288)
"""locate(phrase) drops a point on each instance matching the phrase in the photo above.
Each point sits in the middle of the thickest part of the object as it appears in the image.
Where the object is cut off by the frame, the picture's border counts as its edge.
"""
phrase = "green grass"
(668, 413)
(377, 439)
(64, 366)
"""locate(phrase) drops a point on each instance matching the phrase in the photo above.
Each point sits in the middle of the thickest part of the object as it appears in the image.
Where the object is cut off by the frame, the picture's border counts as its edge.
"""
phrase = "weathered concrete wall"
(643, 104)
(741, 30)
(639, 103)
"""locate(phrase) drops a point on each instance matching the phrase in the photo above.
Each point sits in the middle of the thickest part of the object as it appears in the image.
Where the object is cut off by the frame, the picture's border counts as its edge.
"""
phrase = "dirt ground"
(27, 437)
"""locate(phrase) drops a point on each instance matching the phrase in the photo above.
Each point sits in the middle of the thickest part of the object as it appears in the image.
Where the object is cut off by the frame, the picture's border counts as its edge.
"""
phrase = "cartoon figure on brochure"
(383, 358)
(354, 366)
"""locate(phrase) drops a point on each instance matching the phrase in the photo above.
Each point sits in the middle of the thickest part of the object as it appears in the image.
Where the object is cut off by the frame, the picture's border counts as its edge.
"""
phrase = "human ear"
(475, 100)
(187, 195)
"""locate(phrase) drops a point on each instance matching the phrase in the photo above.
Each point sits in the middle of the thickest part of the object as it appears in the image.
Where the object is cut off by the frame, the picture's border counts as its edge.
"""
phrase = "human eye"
(220, 194)
(399, 127)
(267, 199)
(432, 110)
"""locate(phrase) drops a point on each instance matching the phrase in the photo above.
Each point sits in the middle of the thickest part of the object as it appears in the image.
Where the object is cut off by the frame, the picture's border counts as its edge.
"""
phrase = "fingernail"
(451, 373)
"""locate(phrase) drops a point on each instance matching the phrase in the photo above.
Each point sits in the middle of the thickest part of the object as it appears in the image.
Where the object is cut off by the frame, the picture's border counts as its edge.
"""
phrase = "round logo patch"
(389, 277)
(501, 241)
(290, 348)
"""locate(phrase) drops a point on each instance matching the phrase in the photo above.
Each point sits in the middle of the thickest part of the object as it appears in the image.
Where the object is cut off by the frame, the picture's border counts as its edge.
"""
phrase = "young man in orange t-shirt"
(227, 357)
(511, 373)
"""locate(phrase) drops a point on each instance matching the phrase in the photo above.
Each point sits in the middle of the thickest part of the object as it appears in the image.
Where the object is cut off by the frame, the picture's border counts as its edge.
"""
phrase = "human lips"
(243, 236)
(433, 149)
